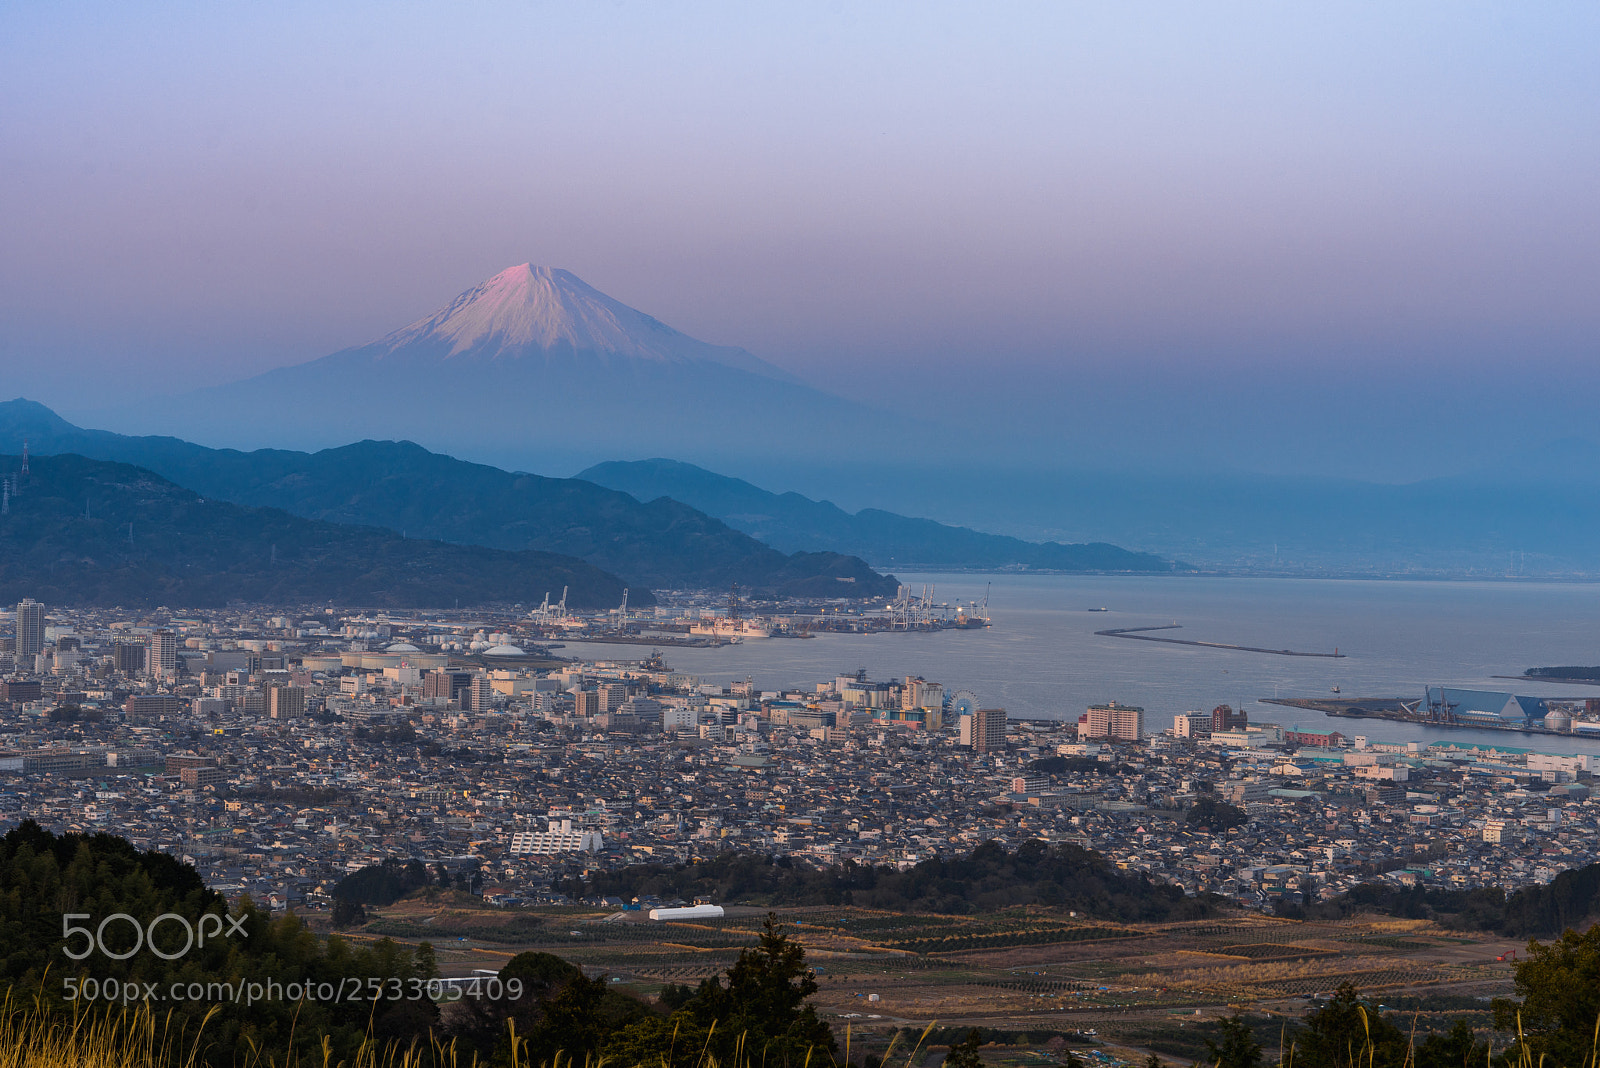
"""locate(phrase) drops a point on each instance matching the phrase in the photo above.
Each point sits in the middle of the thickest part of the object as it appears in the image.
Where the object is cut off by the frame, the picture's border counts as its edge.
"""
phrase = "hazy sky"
(1127, 200)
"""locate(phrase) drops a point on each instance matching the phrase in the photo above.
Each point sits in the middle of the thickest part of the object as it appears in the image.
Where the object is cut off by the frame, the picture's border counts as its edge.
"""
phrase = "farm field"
(1038, 974)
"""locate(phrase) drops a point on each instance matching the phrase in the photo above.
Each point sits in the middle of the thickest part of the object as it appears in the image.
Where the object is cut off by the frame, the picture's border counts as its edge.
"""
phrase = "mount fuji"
(533, 369)
(545, 313)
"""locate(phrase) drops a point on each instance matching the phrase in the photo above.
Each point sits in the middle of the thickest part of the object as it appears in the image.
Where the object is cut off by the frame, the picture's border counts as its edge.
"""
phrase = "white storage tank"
(690, 912)
(1557, 720)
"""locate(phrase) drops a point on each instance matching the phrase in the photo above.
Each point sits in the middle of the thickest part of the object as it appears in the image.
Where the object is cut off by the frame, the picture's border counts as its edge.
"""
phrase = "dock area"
(1399, 711)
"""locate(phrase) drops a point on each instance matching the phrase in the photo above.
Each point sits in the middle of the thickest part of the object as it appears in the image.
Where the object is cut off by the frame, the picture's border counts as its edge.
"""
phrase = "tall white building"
(161, 657)
(30, 629)
(480, 694)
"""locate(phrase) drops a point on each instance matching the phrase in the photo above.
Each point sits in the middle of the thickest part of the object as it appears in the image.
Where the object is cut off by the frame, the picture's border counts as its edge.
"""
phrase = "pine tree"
(1238, 1048)
(964, 1054)
(1345, 1034)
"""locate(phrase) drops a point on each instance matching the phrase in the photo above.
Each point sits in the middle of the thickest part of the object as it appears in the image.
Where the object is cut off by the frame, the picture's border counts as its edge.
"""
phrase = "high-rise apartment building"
(30, 630)
(287, 702)
(612, 694)
(161, 654)
(480, 695)
(585, 703)
(1123, 722)
(984, 731)
(128, 657)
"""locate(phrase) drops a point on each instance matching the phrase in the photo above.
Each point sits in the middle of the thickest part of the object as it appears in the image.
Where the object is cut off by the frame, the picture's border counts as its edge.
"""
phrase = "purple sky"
(1063, 201)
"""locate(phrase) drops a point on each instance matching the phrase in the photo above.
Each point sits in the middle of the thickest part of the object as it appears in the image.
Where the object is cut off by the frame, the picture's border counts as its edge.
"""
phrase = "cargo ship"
(731, 629)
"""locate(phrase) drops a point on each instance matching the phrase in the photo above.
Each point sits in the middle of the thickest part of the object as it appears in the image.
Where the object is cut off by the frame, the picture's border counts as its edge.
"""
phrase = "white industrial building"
(558, 839)
(688, 912)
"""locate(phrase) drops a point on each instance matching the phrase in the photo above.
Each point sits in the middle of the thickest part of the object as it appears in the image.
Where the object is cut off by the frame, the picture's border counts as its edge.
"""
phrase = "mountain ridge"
(660, 544)
(790, 520)
(81, 531)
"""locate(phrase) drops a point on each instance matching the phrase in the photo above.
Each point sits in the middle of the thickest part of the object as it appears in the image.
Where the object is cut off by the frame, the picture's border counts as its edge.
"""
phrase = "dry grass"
(136, 1037)
(1282, 978)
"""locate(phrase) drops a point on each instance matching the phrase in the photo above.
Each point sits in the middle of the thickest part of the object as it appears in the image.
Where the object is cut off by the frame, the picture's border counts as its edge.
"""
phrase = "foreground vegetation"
(757, 1009)
(367, 999)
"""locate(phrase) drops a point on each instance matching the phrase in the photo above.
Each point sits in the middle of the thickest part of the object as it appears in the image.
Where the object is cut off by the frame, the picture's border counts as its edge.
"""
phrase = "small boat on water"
(1101, 609)
(1336, 689)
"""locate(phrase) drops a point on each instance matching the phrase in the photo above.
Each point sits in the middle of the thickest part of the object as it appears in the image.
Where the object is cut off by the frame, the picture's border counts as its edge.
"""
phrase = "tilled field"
(1028, 971)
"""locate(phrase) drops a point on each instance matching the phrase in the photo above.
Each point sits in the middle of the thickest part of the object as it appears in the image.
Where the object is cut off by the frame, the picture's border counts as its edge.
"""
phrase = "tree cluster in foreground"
(989, 878)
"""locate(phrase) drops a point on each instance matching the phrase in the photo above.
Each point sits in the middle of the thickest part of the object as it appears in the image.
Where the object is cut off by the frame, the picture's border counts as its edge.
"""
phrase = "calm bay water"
(1042, 658)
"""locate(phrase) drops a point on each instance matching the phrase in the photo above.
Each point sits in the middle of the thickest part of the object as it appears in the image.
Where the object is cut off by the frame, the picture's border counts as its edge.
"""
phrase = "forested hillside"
(988, 878)
(89, 532)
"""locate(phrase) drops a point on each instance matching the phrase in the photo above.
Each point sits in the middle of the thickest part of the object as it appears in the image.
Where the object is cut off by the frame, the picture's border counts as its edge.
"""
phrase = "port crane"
(911, 612)
(1442, 710)
(905, 611)
(544, 613)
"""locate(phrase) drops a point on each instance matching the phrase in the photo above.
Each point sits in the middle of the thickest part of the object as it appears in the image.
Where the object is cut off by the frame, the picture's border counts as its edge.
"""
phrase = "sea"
(1041, 658)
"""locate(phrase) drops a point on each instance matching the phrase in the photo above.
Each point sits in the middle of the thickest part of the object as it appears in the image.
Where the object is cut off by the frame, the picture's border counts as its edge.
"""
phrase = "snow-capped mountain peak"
(530, 310)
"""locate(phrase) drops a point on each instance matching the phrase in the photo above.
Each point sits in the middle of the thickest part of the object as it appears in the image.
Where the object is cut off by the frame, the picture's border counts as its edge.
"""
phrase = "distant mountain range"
(533, 369)
(662, 544)
(92, 532)
(791, 522)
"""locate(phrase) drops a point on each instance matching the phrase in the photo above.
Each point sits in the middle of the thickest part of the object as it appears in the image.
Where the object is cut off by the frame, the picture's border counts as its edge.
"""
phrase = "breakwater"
(1138, 634)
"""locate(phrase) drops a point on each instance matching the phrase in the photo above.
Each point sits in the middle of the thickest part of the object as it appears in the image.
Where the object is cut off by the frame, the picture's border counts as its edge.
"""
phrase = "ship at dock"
(731, 629)
(733, 626)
